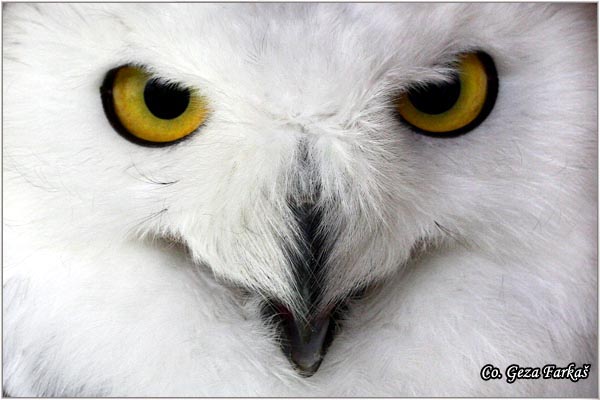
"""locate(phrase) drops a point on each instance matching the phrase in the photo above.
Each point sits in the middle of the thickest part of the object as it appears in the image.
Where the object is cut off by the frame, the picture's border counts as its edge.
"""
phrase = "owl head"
(302, 153)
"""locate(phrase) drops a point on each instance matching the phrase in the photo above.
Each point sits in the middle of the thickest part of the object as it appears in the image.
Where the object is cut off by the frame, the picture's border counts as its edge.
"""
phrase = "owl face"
(313, 166)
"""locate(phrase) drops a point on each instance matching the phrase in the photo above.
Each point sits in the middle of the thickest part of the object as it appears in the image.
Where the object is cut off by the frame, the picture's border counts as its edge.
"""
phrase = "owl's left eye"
(147, 111)
(456, 106)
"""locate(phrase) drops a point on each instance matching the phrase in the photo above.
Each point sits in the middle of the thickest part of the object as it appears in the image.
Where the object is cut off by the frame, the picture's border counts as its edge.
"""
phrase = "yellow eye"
(147, 111)
(452, 108)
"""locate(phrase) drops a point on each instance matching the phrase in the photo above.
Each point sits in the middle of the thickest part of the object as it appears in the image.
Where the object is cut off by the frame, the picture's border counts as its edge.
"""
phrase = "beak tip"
(306, 368)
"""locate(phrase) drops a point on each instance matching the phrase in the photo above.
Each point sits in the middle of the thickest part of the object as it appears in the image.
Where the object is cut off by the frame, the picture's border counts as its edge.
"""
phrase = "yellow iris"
(130, 103)
(476, 93)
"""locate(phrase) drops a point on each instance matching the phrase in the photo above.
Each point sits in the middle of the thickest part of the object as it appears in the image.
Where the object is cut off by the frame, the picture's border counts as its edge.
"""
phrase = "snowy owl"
(300, 200)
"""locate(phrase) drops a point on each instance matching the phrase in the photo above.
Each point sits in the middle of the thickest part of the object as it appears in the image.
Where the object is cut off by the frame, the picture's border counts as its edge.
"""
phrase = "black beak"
(305, 342)
(308, 344)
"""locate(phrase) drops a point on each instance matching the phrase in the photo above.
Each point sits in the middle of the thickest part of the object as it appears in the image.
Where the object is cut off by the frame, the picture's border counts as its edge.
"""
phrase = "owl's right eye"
(147, 111)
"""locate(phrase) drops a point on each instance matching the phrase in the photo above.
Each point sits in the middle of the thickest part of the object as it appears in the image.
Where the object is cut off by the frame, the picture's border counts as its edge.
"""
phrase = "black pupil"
(436, 98)
(165, 101)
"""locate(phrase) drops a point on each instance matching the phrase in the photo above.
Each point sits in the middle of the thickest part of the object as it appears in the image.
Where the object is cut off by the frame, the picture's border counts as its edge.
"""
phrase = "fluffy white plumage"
(484, 246)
